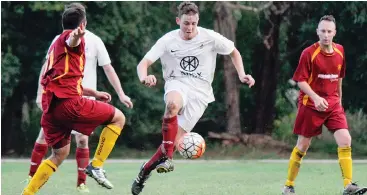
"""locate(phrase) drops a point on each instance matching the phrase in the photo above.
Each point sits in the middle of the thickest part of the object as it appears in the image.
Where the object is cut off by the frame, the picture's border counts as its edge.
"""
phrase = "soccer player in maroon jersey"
(319, 75)
(64, 108)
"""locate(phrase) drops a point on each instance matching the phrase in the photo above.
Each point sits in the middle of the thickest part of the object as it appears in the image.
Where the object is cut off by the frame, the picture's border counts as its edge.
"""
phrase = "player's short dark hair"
(75, 4)
(74, 14)
(329, 18)
(187, 7)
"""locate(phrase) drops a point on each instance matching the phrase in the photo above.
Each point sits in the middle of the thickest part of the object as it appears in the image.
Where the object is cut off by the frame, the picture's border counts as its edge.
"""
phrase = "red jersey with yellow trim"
(322, 72)
(65, 67)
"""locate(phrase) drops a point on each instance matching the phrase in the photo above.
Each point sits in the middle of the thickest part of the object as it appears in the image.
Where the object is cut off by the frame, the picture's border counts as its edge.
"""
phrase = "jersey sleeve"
(102, 53)
(303, 71)
(222, 45)
(157, 50)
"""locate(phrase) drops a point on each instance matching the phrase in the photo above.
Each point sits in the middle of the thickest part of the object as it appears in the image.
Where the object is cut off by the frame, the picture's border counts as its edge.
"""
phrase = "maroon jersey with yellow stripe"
(322, 72)
(65, 67)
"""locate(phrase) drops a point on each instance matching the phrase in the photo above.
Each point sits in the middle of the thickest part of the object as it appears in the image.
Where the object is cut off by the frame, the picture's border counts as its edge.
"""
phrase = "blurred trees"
(270, 42)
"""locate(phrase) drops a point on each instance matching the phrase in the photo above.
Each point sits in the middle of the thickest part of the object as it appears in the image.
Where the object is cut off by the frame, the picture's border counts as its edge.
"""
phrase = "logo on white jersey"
(189, 63)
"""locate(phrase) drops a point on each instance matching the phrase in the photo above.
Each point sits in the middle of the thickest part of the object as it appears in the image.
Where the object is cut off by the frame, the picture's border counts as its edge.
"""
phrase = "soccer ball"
(191, 146)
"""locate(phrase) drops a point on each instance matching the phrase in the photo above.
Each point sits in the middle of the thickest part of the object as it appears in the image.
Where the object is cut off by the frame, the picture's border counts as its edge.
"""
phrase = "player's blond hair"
(187, 7)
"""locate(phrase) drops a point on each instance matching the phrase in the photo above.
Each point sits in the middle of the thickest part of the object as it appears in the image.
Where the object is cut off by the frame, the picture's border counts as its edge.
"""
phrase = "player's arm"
(142, 70)
(225, 46)
(40, 88)
(105, 61)
(153, 54)
(116, 84)
(100, 95)
(238, 64)
(75, 35)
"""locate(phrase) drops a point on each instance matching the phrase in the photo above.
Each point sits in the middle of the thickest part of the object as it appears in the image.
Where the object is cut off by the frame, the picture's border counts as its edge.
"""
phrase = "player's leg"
(174, 103)
(337, 123)
(38, 152)
(92, 114)
(295, 160)
(308, 124)
(59, 152)
(82, 160)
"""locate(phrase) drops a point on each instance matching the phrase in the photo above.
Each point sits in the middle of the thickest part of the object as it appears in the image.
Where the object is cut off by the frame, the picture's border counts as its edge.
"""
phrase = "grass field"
(194, 178)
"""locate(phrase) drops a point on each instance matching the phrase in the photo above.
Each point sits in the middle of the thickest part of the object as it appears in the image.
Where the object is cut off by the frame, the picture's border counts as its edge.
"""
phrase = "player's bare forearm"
(113, 79)
(142, 69)
(89, 92)
(306, 88)
(40, 87)
(75, 35)
(237, 62)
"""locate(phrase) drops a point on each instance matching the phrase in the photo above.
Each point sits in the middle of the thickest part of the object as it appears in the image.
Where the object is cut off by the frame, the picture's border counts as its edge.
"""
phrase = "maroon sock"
(169, 131)
(153, 162)
(39, 151)
(82, 160)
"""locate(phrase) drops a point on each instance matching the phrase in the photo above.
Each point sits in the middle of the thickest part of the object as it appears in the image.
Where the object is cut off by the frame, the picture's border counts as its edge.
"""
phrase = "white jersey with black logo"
(192, 61)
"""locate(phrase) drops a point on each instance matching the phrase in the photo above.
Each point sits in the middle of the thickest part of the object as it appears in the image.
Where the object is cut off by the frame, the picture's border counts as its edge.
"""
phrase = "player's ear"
(83, 24)
(177, 20)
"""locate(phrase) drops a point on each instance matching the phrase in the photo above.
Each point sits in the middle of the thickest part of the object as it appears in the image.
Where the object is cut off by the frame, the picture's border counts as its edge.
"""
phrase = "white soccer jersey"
(192, 61)
(95, 51)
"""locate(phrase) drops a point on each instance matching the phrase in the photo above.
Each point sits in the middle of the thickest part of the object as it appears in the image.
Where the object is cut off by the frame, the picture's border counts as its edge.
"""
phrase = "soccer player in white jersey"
(96, 53)
(188, 57)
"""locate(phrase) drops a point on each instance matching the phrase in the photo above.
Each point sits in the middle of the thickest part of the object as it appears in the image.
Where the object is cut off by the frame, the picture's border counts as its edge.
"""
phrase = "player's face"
(326, 32)
(188, 25)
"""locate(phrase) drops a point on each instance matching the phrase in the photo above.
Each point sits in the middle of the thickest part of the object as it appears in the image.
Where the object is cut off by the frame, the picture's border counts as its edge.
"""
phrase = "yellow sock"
(106, 143)
(345, 162)
(294, 165)
(44, 171)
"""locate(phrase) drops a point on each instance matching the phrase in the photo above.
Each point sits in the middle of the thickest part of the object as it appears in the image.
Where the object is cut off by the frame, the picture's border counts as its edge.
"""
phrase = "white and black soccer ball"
(191, 145)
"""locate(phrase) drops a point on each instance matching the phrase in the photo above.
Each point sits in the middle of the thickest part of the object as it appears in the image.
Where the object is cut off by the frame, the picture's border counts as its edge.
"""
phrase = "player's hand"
(320, 103)
(79, 32)
(126, 101)
(246, 78)
(149, 81)
(103, 96)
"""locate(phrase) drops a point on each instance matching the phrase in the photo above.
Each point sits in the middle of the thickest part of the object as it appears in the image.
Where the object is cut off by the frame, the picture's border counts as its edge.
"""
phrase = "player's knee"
(81, 141)
(59, 155)
(118, 119)
(343, 138)
(41, 138)
(172, 108)
(303, 144)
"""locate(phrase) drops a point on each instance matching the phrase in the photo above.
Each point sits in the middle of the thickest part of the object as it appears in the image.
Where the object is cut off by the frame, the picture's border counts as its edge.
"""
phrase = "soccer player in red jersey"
(64, 108)
(96, 55)
(319, 75)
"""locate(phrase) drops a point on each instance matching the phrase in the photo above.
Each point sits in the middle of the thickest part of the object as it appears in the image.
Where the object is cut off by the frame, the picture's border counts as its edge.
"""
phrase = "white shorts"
(193, 104)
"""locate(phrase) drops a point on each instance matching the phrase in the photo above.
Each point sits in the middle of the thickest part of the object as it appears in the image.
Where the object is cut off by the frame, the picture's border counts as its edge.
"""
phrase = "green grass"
(211, 178)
